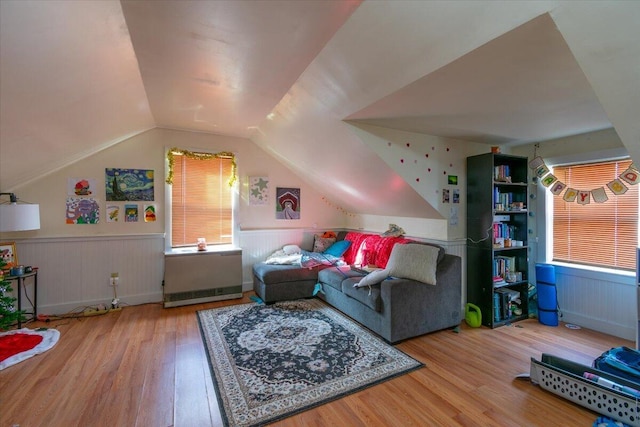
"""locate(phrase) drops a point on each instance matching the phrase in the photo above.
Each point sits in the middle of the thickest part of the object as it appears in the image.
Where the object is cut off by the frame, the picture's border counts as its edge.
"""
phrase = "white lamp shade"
(19, 217)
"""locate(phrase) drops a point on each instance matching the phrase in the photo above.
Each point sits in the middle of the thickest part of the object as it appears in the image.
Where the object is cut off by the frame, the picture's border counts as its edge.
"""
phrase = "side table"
(21, 285)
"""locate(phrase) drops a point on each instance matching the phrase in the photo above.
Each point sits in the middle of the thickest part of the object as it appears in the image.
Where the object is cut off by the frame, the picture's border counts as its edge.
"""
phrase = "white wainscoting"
(74, 271)
(598, 300)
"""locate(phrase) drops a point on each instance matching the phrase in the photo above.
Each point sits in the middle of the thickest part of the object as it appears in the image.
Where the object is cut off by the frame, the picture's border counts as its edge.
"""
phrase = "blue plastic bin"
(547, 294)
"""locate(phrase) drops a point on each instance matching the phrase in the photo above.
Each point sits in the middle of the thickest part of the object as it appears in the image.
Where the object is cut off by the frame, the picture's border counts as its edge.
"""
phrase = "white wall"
(75, 261)
(425, 162)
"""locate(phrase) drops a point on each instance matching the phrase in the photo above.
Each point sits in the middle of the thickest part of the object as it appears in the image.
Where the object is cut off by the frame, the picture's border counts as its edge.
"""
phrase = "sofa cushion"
(415, 261)
(269, 273)
(336, 275)
(368, 295)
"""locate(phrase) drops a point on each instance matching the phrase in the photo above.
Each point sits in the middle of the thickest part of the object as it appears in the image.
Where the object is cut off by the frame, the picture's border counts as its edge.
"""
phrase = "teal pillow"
(338, 248)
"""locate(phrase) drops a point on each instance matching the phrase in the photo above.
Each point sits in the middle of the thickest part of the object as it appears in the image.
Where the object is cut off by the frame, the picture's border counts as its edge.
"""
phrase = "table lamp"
(16, 216)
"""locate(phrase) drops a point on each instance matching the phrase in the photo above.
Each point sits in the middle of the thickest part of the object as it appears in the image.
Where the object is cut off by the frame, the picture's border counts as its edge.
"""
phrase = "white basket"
(564, 378)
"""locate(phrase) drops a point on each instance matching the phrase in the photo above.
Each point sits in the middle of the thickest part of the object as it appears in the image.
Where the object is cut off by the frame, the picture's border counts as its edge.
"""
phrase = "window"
(201, 197)
(599, 234)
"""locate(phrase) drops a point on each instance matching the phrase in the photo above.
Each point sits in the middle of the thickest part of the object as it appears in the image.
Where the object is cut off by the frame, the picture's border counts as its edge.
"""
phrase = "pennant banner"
(570, 195)
(599, 195)
(557, 188)
(617, 187)
(548, 180)
(584, 197)
(631, 177)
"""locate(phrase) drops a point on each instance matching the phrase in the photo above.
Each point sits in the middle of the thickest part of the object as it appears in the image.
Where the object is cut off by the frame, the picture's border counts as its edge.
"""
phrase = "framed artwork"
(287, 203)
(9, 254)
(258, 190)
(128, 185)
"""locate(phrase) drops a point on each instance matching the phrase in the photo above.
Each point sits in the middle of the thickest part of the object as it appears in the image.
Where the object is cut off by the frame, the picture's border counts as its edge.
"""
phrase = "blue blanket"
(313, 259)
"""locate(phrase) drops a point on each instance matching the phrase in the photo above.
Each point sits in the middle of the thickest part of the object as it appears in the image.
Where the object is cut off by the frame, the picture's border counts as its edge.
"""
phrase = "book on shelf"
(502, 173)
(498, 281)
(503, 264)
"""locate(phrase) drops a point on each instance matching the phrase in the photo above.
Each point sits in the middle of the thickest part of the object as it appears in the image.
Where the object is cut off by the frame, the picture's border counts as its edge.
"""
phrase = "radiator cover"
(192, 277)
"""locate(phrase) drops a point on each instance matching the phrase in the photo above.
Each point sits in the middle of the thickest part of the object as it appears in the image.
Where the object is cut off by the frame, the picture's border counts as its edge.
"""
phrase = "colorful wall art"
(149, 213)
(129, 185)
(81, 186)
(82, 211)
(287, 203)
(258, 190)
(130, 213)
(113, 213)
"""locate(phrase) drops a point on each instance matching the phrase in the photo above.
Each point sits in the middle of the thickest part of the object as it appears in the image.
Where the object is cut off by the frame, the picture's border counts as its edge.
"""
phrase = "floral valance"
(201, 156)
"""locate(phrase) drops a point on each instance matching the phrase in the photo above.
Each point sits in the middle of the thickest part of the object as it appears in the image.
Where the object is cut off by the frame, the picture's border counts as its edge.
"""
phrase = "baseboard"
(615, 329)
(155, 297)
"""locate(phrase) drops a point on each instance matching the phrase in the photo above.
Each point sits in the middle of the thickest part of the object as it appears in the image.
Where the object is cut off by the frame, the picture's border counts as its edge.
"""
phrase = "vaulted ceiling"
(77, 77)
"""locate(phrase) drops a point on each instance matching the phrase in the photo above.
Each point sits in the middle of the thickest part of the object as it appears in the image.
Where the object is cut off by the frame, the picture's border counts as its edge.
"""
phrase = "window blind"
(599, 234)
(201, 203)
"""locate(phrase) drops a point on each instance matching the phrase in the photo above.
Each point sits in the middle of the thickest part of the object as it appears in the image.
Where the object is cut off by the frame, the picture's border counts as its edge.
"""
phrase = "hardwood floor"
(146, 366)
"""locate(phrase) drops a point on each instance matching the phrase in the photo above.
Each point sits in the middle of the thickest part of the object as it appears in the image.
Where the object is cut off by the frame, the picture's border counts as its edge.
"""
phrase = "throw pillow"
(338, 248)
(414, 261)
(320, 244)
(372, 278)
(291, 249)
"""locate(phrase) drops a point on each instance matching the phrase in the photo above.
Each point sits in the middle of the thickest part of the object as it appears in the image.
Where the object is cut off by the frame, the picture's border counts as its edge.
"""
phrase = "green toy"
(473, 315)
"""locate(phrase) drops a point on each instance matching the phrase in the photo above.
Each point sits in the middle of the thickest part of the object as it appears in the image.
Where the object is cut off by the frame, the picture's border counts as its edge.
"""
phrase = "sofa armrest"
(419, 306)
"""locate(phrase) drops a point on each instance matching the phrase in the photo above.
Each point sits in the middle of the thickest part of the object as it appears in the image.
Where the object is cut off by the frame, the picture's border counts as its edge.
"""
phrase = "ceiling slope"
(73, 80)
(221, 66)
(382, 48)
(523, 86)
(69, 85)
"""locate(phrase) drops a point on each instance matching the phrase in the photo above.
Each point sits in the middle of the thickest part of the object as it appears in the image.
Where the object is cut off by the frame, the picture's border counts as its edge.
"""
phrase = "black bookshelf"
(497, 232)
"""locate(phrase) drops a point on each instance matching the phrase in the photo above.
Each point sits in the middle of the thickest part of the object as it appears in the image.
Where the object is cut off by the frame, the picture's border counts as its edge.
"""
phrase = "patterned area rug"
(269, 362)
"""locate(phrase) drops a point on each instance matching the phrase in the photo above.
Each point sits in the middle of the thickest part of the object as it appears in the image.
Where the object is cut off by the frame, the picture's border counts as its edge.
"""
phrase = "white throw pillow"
(414, 261)
(291, 249)
(372, 278)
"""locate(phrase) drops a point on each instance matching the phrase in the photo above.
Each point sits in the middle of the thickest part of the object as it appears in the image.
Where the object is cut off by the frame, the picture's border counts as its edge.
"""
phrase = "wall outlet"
(114, 279)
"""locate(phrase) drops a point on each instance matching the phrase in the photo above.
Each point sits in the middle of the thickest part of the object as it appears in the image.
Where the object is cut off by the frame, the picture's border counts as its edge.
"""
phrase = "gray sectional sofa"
(396, 308)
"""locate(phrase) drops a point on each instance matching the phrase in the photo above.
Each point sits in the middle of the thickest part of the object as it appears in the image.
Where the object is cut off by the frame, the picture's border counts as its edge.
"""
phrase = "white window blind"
(599, 234)
(201, 201)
